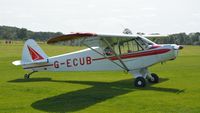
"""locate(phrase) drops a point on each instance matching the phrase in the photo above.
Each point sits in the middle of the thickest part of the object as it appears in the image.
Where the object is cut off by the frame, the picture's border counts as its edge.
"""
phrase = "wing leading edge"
(74, 36)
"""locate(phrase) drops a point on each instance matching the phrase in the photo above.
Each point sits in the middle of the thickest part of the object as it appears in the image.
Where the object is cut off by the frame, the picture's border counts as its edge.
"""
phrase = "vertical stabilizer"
(32, 52)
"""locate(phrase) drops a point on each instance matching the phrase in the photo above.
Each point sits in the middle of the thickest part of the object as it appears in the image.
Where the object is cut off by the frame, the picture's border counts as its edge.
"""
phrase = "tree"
(22, 34)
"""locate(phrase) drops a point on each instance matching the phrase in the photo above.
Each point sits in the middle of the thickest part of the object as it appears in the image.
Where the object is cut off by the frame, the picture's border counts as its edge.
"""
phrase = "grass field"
(99, 92)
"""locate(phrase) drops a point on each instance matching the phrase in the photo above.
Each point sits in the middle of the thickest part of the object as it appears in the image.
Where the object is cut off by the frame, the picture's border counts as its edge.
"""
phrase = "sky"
(102, 16)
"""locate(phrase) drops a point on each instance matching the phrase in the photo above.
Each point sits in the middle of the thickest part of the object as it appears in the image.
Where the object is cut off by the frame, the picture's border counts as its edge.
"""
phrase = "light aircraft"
(105, 52)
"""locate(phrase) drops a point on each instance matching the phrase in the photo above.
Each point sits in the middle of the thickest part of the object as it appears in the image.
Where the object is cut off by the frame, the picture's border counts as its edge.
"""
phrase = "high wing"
(88, 36)
(91, 36)
(93, 39)
(156, 36)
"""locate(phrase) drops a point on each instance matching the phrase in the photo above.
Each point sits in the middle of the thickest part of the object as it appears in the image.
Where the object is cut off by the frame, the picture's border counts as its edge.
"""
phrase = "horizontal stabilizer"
(36, 62)
(17, 62)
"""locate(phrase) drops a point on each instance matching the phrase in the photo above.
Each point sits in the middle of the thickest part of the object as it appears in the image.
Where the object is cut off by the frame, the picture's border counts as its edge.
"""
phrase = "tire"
(140, 82)
(26, 76)
(154, 79)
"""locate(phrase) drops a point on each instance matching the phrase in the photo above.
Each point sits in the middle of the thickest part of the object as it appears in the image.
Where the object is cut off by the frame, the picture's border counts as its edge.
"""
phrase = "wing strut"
(104, 56)
(120, 60)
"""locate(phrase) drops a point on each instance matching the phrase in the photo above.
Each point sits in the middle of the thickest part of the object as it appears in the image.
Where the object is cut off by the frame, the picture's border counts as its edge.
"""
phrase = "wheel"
(154, 78)
(26, 76)
(140, 82)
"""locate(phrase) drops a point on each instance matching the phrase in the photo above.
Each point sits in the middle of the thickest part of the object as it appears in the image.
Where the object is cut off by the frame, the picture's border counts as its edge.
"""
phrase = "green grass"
(99, 92)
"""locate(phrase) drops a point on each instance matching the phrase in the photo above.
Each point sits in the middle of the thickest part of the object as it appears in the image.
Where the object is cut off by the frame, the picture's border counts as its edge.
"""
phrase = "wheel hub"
(139, 82)
(152, 79)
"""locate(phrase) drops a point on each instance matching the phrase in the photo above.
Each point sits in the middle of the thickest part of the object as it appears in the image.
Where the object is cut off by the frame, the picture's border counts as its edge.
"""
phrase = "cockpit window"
(125, 45)
(129, 46)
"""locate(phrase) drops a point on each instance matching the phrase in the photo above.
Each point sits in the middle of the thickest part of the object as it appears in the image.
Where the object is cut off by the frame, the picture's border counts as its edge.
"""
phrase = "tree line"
(179, 38)
(14, 33)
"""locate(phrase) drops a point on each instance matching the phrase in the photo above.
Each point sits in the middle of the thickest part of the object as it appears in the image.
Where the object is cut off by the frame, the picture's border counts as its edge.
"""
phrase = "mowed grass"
(99, 92)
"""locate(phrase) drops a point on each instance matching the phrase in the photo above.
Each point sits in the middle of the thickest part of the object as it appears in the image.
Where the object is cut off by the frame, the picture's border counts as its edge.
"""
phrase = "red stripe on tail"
(34, 54)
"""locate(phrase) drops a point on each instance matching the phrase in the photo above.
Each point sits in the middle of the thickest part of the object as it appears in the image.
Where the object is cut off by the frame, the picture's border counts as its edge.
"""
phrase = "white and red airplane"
(132, 53)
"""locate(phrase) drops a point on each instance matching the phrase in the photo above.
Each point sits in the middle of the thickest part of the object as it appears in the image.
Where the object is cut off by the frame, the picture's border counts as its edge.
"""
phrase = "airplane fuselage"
(89, 60)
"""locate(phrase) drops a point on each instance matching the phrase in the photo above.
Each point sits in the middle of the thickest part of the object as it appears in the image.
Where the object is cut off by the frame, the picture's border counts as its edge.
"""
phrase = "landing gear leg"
(27, 76)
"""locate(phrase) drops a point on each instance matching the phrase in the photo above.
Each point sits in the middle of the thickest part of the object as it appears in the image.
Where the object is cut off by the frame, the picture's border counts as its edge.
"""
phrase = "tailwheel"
(26, 76)
(140, 82)
(154, 78)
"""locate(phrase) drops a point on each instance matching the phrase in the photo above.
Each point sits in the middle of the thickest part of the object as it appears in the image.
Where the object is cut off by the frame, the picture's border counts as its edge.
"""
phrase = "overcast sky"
(104, 16)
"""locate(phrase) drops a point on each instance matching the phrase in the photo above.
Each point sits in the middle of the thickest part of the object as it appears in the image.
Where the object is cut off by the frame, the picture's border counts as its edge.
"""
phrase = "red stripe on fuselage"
(139, 54)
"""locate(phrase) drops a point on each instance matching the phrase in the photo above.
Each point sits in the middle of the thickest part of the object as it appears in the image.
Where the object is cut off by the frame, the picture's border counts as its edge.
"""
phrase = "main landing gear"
(27, 76)
(142, 75)
(140, 82)
(154, 78)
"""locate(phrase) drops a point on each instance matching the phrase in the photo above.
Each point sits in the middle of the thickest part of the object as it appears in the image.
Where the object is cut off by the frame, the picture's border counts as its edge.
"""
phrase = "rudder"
(32, 52)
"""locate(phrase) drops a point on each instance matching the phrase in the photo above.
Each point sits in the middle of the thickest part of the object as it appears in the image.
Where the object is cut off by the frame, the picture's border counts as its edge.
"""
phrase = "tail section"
(32, 54)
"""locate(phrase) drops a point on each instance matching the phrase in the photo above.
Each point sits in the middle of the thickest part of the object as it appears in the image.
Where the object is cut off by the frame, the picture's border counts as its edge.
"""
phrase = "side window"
(116, 49)
(134, 46)
(122, 46)
(130, 46)
(142, 43)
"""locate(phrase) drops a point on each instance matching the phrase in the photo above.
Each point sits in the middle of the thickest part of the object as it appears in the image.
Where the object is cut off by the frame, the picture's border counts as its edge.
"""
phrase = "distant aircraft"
(105, 52)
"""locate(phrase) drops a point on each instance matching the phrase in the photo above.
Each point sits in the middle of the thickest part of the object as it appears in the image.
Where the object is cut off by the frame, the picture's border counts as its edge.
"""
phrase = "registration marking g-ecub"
(74, 62)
